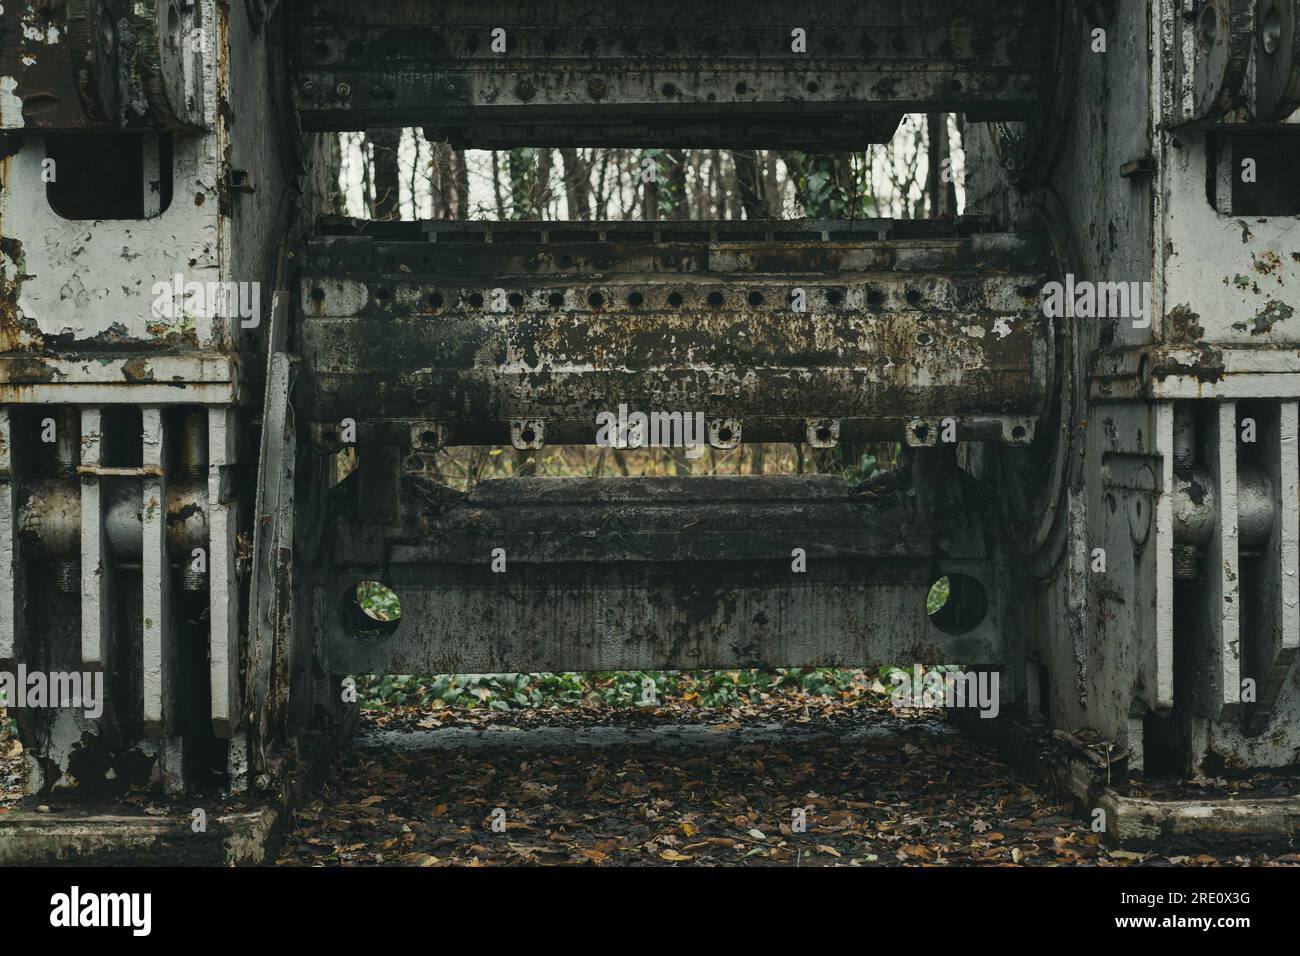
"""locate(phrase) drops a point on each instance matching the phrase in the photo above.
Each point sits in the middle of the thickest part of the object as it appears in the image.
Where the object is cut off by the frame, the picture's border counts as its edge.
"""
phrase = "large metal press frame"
(1105, 142)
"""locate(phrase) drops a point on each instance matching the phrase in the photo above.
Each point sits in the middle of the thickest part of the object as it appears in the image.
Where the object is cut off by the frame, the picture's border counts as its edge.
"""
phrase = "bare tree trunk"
(715, 182)
(541, 198)
(447, 201)
(700, 199)
(602, 186)
(386, 174)
(462, 183)
(496, 187)
(577, 185)
(772, 185)
(524, 174)
(650, 193)
(941, 196)
(731, 187)
(846, 184)
(650, 200)
(900, 183)
(794, 166)
(620, 160)
(327, 192)
(749, 184)
(676, 159)
(413, 180)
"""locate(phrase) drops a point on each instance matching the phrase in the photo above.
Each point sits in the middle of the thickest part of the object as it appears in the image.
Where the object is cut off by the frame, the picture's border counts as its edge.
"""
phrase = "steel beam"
(563, 73)
(613, 573)
(472, 326)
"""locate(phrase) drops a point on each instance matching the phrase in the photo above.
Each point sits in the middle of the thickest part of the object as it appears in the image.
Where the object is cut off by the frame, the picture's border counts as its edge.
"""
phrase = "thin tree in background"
(940, 189)
(749, 184)
(386, 173)
(460, 183)
(577, 184)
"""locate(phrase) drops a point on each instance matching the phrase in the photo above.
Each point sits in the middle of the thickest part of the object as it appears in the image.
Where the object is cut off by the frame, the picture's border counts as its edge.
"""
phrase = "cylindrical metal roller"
(155, 40)
(1196, 514)
(187, 521)
(1277, 59)
(92, 37)
(49, 524)
(50, 520)
(1221, 43)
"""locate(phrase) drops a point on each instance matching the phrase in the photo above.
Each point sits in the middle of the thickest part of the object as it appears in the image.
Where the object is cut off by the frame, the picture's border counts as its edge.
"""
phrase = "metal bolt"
(1024, 82)
(450, 88)
(309, 90)
(343, 90)
(596, 88)
(525, 90)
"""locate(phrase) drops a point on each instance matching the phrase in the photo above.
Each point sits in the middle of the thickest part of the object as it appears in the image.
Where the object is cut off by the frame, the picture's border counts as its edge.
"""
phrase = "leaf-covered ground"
(877, 788)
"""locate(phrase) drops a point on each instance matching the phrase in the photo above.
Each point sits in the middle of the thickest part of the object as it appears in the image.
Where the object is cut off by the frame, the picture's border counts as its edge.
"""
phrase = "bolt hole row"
(435, 300)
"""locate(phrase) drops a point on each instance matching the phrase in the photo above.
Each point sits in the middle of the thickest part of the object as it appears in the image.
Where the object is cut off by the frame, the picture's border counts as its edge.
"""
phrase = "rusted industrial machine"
(1095, 370)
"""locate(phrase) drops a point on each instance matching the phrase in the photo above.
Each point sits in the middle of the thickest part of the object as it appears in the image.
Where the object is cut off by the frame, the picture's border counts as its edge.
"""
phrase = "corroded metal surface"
(612, 573)
(1182, 654)
(560, 72)
(473, 326)
(112, 319)
(97, 64)
(1161, 546)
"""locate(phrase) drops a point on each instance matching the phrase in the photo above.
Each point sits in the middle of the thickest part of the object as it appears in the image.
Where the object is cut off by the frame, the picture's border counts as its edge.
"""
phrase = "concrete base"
(76, 836)
(1096, 777)
(1204, 824)
(243, 833)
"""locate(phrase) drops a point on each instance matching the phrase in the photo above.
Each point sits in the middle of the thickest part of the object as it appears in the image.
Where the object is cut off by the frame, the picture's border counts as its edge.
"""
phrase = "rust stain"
(16, 333)
(27, 370)
(1267, 264)
(137, 370)
(1184, 325)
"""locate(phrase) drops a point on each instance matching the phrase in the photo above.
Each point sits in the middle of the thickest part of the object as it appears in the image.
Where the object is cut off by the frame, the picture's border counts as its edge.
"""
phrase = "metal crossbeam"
(831, 72)
(595, 577)
(476, 326)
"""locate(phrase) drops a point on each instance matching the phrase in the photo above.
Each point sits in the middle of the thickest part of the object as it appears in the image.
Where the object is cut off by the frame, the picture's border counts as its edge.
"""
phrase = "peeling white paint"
(11, 107)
